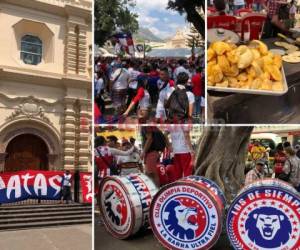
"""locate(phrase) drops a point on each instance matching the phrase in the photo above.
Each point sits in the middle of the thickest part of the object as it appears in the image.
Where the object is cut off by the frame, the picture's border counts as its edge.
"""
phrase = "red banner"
(86, 180)
(30, 184)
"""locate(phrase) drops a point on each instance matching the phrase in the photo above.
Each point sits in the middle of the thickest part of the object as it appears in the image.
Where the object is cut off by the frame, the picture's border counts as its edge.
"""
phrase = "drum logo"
(264, 224)
(115, 206)
(183, 218)
(184, 221)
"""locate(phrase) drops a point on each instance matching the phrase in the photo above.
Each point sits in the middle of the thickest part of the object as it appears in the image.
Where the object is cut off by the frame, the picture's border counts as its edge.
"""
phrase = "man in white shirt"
(164, 88)
(180, 85)
(181, 147)
(119, 85)
(66, 187)
(132, 87)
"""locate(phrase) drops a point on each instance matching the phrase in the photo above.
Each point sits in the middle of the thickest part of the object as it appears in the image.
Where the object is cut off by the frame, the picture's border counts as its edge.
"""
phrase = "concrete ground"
(142, 241)
(76, 237)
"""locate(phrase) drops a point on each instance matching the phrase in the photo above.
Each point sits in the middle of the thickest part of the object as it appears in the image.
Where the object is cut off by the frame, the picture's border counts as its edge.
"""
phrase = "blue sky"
(153, 15)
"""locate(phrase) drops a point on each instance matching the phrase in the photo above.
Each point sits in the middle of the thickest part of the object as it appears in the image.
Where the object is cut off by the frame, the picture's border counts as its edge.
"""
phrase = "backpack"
(159, 141)
(177, 105)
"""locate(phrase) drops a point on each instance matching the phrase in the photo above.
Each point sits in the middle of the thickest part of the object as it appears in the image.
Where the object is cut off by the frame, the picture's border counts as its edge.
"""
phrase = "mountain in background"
(146, 34)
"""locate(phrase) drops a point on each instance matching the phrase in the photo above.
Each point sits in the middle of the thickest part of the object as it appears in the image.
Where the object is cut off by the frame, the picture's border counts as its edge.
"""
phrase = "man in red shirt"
(197, 91)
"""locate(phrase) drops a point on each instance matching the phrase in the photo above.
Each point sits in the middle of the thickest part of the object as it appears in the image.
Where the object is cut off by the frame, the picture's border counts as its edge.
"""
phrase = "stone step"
(45, 219)
(37, 206)
(15, 226)
(40, 210)
(54, 213)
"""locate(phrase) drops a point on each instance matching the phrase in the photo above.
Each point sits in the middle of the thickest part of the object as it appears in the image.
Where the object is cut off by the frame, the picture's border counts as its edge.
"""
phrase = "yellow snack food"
(277, 61)
(263, 48)
(220, 47)
(275, 73)
(217, 74)
(232, 56)
(245, 57)
(223, 63)
(245, 67)
(242, 77)
(256, 53)
(210, 54)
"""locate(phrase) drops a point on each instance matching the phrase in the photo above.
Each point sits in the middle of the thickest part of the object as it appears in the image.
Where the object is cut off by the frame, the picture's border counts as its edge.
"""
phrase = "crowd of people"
(173, 150)
(163, 90)
(171, 147)
(280, 15)
(285, 163)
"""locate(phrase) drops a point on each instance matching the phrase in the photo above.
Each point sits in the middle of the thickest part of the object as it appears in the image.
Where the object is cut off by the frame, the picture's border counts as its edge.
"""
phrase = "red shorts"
(183, 165)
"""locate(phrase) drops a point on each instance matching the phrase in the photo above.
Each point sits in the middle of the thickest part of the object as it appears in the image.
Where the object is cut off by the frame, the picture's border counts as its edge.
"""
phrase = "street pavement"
(77, 237)
(141, 241)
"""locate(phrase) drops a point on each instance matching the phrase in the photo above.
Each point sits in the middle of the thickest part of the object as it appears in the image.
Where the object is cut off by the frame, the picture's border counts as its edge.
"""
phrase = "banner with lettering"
(86, 180)
(30, 184)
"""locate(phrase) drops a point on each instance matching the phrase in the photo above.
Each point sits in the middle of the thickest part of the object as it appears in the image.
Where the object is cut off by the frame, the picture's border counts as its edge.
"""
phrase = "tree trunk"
(195, 18)
(221, 156)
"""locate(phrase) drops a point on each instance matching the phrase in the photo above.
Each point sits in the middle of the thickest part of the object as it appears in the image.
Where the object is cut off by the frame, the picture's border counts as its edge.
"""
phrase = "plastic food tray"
(253, 91)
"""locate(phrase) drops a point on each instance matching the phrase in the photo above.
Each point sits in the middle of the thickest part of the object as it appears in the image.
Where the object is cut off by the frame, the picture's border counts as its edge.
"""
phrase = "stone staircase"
(30, 216)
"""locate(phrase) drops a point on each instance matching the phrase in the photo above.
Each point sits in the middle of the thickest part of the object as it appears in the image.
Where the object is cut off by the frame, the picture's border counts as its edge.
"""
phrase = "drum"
(125, 203)
(187, 214)
(265, 215)
(212, 186)
(269, 181)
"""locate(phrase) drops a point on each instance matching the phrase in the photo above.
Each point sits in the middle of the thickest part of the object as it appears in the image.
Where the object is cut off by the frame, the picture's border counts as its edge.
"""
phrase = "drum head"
(211, 185)
(184, 215)
(116, 207)
(269, 182)
(265, 217)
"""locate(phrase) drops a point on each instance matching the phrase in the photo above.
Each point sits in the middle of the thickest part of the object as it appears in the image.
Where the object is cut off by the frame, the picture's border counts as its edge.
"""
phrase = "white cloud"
(175, 26)
(153, 14)
(161, 33)
(147, 5)
(146, 21)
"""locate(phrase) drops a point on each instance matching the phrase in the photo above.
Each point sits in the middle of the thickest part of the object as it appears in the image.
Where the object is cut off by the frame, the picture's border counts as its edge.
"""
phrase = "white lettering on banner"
(40, 183)
(27, 177)
(14, 184)
(2, 184)
(53, 184)
(88, 181)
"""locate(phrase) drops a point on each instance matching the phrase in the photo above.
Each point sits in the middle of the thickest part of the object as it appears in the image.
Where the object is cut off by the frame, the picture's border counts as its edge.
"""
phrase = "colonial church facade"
(45, 84)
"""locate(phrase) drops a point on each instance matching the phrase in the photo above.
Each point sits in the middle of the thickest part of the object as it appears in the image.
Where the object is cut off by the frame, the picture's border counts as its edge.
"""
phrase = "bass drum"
(271, 182)
(217, 192)
(125, 203)
(265, 215)
(187, 214)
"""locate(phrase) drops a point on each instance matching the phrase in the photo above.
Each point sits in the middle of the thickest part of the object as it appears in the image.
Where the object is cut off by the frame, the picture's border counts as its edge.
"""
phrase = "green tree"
(192, 9)
(113, 14)
(194, 40)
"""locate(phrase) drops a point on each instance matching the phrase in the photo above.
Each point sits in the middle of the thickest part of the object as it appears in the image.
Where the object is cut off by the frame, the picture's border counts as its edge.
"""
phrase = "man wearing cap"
(257, 173)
